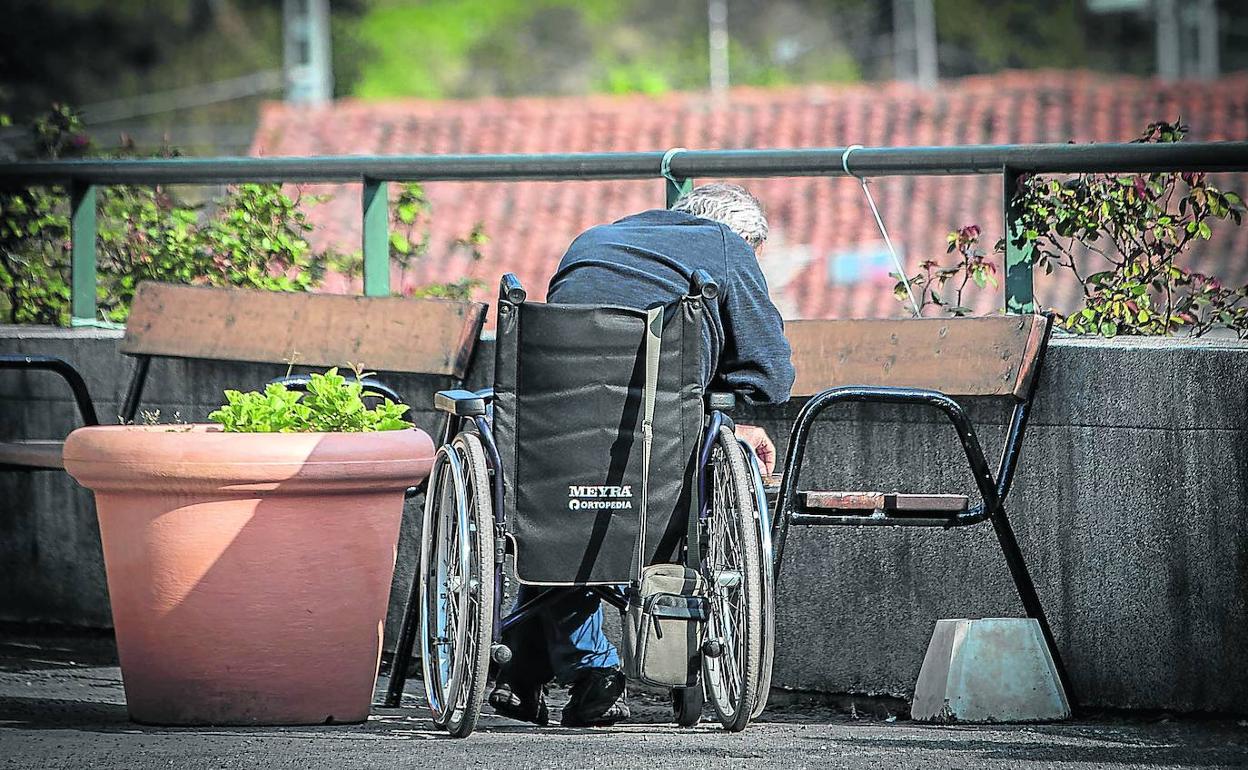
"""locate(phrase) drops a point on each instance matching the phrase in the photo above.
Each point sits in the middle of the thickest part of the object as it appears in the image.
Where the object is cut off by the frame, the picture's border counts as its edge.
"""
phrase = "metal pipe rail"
(83, 176)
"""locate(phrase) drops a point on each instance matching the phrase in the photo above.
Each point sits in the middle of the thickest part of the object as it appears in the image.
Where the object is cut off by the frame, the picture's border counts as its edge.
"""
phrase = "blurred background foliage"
(84, 52)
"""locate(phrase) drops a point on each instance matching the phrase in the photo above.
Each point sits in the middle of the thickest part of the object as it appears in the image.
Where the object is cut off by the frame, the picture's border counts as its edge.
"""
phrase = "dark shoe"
(522, 705)
(594, 699)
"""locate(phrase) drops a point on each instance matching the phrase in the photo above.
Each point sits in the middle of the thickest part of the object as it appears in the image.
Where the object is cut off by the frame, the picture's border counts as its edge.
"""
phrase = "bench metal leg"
(402, 660)
(1027, 591)
(135, 391)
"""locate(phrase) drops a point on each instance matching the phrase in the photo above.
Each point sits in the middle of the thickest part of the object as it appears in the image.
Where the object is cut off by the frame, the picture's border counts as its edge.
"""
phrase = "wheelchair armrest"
(463, 403)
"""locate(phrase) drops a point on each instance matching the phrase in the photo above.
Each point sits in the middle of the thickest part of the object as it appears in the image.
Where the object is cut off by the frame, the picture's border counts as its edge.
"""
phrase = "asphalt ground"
(62, 706)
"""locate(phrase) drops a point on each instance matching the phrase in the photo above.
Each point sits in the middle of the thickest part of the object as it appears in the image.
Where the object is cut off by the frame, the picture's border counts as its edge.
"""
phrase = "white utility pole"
(914, 42)
(1187, 39)
(306, 51)
(1169, 41)
(717, 15)
(1206, 24)
(925, 43)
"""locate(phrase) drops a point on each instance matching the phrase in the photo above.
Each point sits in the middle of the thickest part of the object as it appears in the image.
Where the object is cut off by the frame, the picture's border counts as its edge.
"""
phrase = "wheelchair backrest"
(568, 395)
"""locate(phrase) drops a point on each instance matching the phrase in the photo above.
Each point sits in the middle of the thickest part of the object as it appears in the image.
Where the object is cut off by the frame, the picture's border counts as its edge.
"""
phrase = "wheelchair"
(543, 471)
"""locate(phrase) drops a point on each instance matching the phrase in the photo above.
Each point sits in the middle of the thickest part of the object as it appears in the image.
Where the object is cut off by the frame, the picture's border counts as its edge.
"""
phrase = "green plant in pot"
(249, 560)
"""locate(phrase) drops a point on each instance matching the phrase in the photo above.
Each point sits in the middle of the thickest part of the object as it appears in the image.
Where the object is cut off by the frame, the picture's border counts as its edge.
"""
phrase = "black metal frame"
(477, 420)
(993, 488)
(59, 366)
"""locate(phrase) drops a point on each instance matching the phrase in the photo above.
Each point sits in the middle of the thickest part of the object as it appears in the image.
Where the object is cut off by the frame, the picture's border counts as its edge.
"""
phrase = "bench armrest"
(82, 397)
(795, 456)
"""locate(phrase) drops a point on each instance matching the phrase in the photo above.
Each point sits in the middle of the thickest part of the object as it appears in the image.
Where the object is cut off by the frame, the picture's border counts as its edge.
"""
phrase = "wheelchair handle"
(701, 284)
(510, 290)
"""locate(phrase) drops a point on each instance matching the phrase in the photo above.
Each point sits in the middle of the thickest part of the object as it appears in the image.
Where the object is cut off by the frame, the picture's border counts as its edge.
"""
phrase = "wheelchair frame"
(471, 412)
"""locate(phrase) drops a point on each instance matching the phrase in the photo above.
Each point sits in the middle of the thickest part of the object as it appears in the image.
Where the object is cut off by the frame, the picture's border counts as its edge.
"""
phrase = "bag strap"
(653, 347)
(693, 310)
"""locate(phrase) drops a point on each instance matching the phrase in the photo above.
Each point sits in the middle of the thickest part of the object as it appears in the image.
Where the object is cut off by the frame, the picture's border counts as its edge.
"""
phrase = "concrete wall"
(1130, 506)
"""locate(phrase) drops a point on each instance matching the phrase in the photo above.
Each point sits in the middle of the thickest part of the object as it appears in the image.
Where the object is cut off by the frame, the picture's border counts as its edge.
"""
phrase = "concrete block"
(989, 670)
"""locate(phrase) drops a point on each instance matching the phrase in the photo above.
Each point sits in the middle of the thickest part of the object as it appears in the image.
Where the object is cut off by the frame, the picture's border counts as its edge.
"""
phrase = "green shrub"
(332, 404)
(255, 236)
(1122, 237)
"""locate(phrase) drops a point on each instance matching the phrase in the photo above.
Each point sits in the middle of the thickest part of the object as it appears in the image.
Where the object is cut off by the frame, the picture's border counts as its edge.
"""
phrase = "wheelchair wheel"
(763, 519)
(734, 569)
(687, 703)
(457, 585)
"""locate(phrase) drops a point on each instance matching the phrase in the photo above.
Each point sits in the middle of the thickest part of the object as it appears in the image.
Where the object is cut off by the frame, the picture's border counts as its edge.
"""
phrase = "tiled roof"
(825, 257)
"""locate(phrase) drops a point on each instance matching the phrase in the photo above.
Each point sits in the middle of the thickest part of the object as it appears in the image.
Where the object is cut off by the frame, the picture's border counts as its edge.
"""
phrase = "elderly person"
(639, 261)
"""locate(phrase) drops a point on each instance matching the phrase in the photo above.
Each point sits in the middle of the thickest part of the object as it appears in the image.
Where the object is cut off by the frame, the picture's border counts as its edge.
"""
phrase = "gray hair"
(730, 205)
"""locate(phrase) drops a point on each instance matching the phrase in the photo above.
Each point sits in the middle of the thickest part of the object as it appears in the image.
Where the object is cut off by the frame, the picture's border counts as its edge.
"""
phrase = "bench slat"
(388, 334)
(989, 356)
(899, 502)
(32, 454)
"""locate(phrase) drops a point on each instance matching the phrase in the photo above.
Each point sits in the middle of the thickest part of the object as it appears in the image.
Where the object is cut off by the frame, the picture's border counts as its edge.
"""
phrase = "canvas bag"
(665, 623)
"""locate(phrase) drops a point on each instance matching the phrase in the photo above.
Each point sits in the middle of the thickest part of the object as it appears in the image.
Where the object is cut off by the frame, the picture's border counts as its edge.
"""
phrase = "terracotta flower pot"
(249, 573)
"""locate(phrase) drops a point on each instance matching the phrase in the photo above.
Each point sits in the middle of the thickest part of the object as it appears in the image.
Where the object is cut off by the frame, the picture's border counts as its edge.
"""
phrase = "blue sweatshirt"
(649, 258)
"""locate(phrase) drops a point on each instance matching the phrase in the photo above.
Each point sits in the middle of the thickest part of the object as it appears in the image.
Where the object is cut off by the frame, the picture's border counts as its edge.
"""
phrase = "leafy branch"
(944, 286)
(1122, 237)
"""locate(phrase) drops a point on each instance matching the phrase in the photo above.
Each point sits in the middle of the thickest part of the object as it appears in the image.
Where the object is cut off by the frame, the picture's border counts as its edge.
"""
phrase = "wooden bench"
(384, 334)
(928, 363)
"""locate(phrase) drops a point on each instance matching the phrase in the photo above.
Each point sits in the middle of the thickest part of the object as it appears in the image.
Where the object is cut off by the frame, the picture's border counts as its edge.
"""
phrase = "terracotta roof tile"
(819, 224)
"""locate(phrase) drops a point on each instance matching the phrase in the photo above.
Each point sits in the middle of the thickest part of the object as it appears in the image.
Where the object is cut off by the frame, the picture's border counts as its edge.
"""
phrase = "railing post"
(1020, 294)
(82, 232)
(376, 239)
(676, 187)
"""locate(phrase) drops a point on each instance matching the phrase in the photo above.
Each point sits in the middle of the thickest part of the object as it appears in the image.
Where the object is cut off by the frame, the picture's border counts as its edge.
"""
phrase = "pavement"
(62, 706)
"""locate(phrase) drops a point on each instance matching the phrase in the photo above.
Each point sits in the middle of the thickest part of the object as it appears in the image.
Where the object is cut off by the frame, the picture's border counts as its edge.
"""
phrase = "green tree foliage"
(989, 35)
(465, 48)
(84, 52)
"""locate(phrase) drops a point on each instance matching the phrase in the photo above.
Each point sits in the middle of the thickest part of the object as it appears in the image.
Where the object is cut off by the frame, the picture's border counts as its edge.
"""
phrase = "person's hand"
(757, 438)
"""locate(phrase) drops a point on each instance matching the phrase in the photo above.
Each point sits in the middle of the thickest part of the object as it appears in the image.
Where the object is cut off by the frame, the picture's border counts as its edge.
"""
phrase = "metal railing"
(84, 176)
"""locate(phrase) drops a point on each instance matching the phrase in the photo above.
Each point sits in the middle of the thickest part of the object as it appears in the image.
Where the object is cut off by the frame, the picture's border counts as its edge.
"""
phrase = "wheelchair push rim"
(456, 589)
(733, 565)
(763, 520)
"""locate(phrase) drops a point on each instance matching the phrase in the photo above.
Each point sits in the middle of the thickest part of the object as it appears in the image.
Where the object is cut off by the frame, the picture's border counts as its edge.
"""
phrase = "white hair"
(730, 205)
